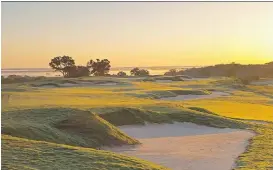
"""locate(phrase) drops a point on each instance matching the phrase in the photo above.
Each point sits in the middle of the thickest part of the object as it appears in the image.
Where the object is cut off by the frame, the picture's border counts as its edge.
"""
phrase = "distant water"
(50, 73)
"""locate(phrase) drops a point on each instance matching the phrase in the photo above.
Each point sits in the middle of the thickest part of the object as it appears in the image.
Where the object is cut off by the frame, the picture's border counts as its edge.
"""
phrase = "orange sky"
(137, 33)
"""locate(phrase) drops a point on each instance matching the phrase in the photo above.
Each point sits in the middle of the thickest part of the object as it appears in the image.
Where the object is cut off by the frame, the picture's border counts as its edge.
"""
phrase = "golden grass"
(235, 109)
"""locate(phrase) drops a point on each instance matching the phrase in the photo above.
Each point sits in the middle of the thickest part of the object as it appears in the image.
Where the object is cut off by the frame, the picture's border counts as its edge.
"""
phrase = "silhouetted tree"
(139, 72)
(99, 67)
(121, 74)
(78, 71)
(171, 72)
(270, 63)
(62, 64)
(135, 71)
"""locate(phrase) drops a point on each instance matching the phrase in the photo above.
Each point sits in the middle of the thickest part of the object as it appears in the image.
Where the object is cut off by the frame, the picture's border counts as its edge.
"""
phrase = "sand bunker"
(194, 97)
(186, 146)
(263, 82)
(164, 81)
(107, 84)
(84, 84)
(69, 85)
(48, 86)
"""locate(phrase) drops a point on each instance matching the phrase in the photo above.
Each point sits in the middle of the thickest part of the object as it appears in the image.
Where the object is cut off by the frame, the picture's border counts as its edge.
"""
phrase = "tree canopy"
(121, 74)
(99, 67)
(62, 64)
(139, 72)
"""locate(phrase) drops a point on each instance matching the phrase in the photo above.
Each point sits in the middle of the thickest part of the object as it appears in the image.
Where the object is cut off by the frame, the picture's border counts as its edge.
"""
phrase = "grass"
(259, 154)
(129, 116)
(19, 153)
(236, 108)
(64, 126)
(85, 117)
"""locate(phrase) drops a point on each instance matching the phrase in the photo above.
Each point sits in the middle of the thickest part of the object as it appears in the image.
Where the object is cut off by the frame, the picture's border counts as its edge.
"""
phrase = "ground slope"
(64, 126)
(26, 154)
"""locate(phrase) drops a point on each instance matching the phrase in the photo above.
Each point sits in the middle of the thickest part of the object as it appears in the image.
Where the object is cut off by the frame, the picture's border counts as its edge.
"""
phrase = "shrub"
(171, 72)
(121, 74)
(139, 72)
(248, 79)
(78, 71)
(99, 67)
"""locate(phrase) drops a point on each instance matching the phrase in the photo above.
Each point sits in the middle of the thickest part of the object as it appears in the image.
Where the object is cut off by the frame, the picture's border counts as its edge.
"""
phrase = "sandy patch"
(194, 97)
(82, 84)
(164, 81)
(196, 79)
(263, 82)
(5, 98)
(186, 146)
(69, 85)
(107, 84)
(48, 86)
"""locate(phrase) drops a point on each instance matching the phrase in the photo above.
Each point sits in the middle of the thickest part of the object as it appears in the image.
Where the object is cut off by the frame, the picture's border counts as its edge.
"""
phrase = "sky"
(137, 33)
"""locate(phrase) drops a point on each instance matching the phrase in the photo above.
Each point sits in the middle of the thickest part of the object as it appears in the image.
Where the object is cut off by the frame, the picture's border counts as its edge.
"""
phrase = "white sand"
(186, 146)
(194, 97)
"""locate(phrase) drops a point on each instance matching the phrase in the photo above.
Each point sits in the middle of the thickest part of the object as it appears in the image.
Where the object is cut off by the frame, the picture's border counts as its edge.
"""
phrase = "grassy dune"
(259, 154)
(65, 126)
(19, 153)
(84, 116)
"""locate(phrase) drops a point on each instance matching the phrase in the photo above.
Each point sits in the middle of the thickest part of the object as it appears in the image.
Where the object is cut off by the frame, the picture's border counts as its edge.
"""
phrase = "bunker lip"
(186, 145)
(86, 84)
(213, 94)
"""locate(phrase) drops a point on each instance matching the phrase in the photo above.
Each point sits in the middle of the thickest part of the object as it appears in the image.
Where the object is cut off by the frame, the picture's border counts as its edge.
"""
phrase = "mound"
(46, 85)
(18, 153)
(201, 110)
(171, 78)
(65, 126)
(191, 92)
(173, 93)
(130, 116)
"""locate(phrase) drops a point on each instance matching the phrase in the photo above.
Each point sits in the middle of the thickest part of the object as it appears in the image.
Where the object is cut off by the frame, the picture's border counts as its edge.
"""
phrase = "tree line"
(66, 65)
(232, 70)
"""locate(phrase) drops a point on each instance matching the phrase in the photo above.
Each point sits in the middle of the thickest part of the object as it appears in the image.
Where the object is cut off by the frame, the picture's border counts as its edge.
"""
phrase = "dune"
(194, 97)
(186, 146)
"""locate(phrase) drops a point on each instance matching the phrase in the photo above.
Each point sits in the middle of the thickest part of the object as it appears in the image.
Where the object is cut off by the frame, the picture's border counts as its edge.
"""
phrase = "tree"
(171, 72)
(99, 67)
(121, 74)
(135, 71)
(139, 72)
(62, 64)
(78, 71)
(143, 72)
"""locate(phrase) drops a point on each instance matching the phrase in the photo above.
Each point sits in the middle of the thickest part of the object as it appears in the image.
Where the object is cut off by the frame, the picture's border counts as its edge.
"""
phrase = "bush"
(139, 72)
(16, 79)
(78, 71)
(171, 72)
(121, 74)
(248, 79)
